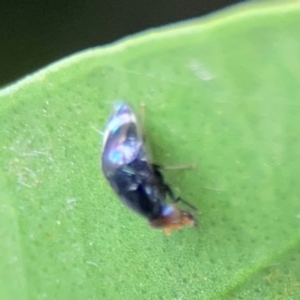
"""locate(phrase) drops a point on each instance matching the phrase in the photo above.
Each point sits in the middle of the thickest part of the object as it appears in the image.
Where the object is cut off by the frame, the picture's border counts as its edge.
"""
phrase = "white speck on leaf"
(92, 263)
(200, 71)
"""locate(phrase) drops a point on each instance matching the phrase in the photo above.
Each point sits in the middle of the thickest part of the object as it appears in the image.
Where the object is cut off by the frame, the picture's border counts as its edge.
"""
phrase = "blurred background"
(34, 33)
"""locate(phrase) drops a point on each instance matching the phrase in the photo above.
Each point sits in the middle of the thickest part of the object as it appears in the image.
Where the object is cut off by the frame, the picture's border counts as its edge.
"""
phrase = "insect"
(138, 183)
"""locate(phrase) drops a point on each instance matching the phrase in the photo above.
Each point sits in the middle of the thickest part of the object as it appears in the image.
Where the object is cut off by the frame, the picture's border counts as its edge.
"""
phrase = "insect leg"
(168, 190)
(157, 168)
(179, 167)
(178, 199)
(186, 203)
(142, 119)
(142, 108)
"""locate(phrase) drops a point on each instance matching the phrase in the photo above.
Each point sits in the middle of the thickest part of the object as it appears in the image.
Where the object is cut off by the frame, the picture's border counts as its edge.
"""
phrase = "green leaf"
(222, 92)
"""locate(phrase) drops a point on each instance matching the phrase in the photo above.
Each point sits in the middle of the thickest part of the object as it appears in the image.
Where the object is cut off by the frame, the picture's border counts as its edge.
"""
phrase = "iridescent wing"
(122, 142)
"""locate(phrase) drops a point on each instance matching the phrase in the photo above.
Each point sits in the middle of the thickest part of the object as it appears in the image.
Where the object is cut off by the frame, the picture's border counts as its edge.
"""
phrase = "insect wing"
(122, 141)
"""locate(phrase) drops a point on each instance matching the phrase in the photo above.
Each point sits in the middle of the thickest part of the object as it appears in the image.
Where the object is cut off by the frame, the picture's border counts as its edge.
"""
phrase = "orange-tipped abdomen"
(172, 218)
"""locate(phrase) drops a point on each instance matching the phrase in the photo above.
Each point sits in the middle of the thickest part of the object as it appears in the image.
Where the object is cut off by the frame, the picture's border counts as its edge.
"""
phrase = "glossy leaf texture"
(221, 92)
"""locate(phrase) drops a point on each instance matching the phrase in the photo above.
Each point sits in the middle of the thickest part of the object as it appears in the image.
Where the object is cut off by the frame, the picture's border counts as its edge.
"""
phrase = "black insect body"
(138, 183)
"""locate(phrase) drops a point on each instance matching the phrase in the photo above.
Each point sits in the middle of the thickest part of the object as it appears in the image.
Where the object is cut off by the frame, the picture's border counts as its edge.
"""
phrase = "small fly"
(138, 183)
